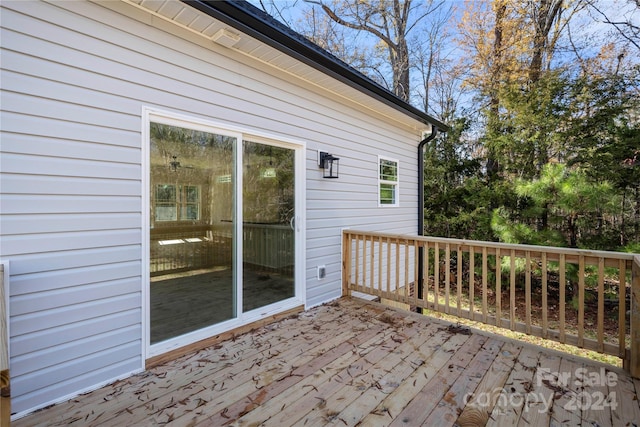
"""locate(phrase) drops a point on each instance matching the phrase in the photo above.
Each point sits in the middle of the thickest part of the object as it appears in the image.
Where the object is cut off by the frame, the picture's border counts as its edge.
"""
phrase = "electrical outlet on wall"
(322, 272)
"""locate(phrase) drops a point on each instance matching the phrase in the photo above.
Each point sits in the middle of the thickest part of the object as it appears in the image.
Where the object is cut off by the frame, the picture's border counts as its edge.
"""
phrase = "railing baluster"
(472, 281)
(425, 292)
(527, 290)
(388, 265)
(380, 266)
(484, 284)
(447, 276)
(581, 301)
(512, 290)
(416, 275)
(357, 278)
(563, 287)
(601, 304)
(364, 262)
(622, 310)
(436, 277)
(498, 288)
(459, 274)
(397, 288)
(373, 262)
(406, 271)
(545, 304)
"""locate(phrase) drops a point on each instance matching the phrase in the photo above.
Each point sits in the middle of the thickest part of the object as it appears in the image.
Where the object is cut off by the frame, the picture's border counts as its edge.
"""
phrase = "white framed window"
(177, 202)
(388, 182)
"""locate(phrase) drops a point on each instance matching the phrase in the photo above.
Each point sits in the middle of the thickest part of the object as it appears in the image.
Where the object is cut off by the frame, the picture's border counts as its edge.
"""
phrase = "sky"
(588, 29)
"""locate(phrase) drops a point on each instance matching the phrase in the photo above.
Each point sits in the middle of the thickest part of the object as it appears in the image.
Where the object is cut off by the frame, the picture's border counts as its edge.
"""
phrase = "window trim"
(395, 184)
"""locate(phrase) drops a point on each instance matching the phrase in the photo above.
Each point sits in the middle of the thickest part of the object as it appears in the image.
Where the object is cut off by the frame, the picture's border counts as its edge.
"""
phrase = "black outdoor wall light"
(329, 164)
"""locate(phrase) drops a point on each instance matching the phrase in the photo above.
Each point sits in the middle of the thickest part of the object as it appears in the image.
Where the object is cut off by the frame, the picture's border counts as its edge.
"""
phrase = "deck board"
(537, 407)
(563, 412)
(512, 398)
(356, 371)
(433, 393)
(625, 412)
(416, 382)
(433, 351)
(481, 402)
(453, 403)
(596, 399)
(352, 363)
(380, 376)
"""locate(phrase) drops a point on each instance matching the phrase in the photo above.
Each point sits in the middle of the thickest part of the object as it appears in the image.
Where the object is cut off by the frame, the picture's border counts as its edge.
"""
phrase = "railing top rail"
(508, 246)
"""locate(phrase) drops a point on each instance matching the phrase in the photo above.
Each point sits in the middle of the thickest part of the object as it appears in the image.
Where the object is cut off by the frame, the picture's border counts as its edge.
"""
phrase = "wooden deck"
(358, 363)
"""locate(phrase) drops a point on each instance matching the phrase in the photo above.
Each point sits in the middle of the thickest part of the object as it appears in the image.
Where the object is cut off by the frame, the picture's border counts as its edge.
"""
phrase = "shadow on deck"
(354, 362)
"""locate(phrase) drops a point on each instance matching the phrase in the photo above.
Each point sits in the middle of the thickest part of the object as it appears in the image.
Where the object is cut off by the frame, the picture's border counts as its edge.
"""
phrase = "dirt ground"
(553, 309)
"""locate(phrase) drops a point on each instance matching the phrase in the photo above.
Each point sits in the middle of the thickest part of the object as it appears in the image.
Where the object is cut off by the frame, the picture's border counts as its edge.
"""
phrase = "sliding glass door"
(192, 236)
(222, 228)
(268, 228)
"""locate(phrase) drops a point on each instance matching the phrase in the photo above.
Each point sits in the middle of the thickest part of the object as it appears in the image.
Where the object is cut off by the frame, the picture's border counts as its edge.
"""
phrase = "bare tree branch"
(627, 30)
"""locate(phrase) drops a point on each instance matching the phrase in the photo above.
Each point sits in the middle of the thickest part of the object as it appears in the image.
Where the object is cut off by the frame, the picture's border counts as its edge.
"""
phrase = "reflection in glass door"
(216, 254)
(192, 240)
(268, 235)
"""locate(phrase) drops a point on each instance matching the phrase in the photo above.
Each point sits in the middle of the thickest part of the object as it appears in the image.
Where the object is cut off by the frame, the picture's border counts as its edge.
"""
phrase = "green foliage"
(509, 231)
(455, 191)
(542, 138)
(525, 133)
(610, 133)
(633, 248)
(569, 201)
(562, 150)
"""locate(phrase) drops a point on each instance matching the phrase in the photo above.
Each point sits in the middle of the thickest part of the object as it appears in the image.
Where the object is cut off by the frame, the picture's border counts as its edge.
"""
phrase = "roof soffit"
(203, 25)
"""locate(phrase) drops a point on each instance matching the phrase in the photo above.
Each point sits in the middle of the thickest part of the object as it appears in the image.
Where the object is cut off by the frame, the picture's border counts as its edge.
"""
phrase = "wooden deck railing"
(589, 299)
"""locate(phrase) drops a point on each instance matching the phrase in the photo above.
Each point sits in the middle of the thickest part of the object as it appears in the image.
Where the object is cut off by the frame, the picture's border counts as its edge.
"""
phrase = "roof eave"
(255, 26)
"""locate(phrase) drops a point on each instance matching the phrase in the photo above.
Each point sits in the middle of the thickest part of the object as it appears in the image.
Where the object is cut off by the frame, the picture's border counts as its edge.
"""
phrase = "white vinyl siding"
(75, 78)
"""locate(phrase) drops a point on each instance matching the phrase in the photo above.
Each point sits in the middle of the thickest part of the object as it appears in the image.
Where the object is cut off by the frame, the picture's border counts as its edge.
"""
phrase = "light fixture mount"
(329, 164)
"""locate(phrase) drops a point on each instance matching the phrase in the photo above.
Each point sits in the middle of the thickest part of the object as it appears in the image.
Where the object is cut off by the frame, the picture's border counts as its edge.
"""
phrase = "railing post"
(346, 263)
(634, 365)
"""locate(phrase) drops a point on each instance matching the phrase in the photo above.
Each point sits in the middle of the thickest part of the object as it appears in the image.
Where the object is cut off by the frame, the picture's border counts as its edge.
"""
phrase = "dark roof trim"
(252, 21)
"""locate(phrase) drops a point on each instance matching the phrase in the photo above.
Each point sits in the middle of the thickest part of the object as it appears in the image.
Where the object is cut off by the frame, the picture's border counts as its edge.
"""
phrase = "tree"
(344, 43)
(457, 198)
(625, 28)
(545, 17)
(390, 22)
(604, 134)
(533, 120)
(572, 200)
(430, 61)
(531, 83)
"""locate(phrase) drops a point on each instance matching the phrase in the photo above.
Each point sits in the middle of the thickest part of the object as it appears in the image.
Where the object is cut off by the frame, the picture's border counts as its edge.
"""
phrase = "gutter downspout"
(432, 135)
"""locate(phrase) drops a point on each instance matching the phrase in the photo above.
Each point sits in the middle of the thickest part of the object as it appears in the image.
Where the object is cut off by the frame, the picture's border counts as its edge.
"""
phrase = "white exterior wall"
(75, 77)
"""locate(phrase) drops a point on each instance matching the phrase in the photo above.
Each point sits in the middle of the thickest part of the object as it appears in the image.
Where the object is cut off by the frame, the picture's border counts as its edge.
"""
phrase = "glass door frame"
(241, 319)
